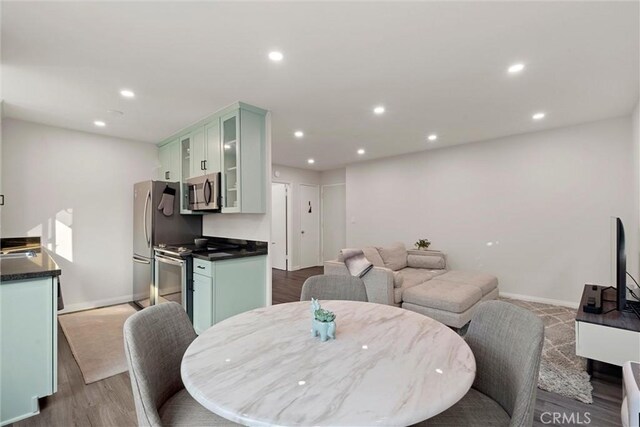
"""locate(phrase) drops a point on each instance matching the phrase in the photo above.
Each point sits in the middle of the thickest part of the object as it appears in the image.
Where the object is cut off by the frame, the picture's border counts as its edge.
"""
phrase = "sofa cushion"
(373, 256)
(426, 261)
(394, 257)
(443, 295)
(485, 282)
(414, 276)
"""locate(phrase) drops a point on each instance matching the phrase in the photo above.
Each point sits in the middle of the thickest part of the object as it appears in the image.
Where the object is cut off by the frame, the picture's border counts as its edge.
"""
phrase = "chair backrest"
(155, 340)
(334, 288)
(506, 341)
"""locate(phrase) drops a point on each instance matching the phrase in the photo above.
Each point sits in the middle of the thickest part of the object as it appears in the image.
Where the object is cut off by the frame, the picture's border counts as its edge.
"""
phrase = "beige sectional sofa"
(419, 281)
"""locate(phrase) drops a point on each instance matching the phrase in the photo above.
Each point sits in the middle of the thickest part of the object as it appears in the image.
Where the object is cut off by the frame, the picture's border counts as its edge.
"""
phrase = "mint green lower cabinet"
(222, 289)
(239, 285)
(28, 346)
(202, 303)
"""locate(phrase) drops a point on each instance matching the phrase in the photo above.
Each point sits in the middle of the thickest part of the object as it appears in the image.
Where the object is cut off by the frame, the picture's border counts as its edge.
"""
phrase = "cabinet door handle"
(201, 267)
(205, 164)
(1, 199)
(201, 165)
(167, 175)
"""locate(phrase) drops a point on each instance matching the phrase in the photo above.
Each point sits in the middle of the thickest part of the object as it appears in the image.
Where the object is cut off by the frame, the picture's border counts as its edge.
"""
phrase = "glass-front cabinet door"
(230, 153)
(185, 167)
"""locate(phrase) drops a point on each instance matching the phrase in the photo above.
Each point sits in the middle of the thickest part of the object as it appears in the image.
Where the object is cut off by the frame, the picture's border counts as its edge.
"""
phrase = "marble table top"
(387, 366)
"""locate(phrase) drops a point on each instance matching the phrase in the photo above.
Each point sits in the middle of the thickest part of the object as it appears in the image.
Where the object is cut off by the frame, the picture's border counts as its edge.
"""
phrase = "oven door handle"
(167, 260)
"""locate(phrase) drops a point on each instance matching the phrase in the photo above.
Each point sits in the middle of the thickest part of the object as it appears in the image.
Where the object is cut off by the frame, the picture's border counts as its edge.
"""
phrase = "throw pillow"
(373, 256)
(394, 257)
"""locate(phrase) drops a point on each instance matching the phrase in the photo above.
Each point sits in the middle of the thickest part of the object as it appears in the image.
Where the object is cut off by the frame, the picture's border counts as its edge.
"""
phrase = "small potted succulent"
(323, 323)
(423, 244)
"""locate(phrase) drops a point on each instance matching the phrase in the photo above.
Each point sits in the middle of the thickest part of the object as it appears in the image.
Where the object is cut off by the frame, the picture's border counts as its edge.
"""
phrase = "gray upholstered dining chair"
(155, 340)
(327, 287)
(507, 344)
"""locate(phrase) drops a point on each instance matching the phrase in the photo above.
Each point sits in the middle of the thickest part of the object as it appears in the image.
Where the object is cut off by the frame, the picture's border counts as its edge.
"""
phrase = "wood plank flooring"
(110, 403)
(286, 286)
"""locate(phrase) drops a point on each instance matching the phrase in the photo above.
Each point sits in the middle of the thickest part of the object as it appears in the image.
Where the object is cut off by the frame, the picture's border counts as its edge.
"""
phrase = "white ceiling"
(436, 67)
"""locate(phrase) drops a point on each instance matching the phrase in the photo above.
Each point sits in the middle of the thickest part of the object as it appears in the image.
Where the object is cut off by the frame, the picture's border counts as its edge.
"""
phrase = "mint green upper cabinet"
(184, 144)
(169, 156)
(230, 163)
(212, 141)
(231, 141)
(205, 149)
(243, 162)
(198, 155)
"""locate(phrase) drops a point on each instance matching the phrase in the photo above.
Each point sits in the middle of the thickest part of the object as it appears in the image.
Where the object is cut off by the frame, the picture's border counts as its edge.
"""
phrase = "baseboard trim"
(70, 308)
(529, 298)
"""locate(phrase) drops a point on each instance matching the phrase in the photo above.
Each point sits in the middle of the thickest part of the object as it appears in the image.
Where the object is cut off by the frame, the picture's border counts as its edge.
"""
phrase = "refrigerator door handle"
(144, 221)
(140, 260)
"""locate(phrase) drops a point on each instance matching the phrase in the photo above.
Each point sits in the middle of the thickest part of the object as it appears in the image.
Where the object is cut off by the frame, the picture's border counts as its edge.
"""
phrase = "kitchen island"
(28, 328)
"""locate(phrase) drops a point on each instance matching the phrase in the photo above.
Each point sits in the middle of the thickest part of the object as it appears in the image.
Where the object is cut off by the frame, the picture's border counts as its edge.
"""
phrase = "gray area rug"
(561, 371)
(96, 340)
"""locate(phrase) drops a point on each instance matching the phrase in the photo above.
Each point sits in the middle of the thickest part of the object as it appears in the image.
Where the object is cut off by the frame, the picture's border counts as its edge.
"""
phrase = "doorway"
(279, 220)
(309, 225)
(334, 227)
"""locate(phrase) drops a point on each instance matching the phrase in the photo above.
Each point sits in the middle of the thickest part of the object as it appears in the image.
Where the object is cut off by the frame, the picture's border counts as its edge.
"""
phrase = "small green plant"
(423, 244)
(323, 315)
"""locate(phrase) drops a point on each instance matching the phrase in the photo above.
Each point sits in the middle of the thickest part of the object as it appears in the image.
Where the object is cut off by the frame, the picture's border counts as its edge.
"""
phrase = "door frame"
(322, 187)
(318, 261)
(288, 221)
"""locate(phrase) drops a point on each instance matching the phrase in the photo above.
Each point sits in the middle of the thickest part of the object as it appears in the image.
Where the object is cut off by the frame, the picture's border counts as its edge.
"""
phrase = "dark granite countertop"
(229, 254)
(40, 265)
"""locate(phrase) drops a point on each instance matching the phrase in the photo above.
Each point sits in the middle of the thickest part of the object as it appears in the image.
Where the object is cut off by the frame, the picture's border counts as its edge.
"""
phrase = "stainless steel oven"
(204, 192)
(173, 279)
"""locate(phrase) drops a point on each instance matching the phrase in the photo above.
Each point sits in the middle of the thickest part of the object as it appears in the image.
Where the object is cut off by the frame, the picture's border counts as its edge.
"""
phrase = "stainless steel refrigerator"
(152, 227)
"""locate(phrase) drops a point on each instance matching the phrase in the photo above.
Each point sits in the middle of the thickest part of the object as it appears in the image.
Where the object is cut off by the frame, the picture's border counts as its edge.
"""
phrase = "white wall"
(533, 209)
(75, 190)
(294, 177)
(333, 176)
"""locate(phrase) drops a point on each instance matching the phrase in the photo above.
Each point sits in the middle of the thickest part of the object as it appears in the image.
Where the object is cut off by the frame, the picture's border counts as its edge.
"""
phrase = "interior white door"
(334, 225)
(279, 226)
(309, 225)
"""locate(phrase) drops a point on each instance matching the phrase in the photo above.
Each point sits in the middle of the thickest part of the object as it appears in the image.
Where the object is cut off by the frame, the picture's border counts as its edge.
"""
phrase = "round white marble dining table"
(387, 366)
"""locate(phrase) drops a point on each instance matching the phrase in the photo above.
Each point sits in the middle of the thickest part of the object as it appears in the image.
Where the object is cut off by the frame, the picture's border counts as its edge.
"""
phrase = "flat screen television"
(618, 263)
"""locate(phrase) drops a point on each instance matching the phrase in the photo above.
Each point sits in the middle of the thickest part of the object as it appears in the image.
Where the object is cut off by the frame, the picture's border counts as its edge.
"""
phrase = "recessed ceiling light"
(538, 116)
(311, 161)
(432, 137)
(276, 56)
(127, 93)
(379, 109)
(298, 134)
(516, 68)
(361, 151)
(99, 123)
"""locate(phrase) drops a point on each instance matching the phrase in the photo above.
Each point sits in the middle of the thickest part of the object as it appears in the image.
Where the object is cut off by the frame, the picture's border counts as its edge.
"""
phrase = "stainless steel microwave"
(204, 192)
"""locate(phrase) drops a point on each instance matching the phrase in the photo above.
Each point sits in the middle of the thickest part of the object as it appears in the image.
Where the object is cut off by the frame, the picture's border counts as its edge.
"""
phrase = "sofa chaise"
(418, 280)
